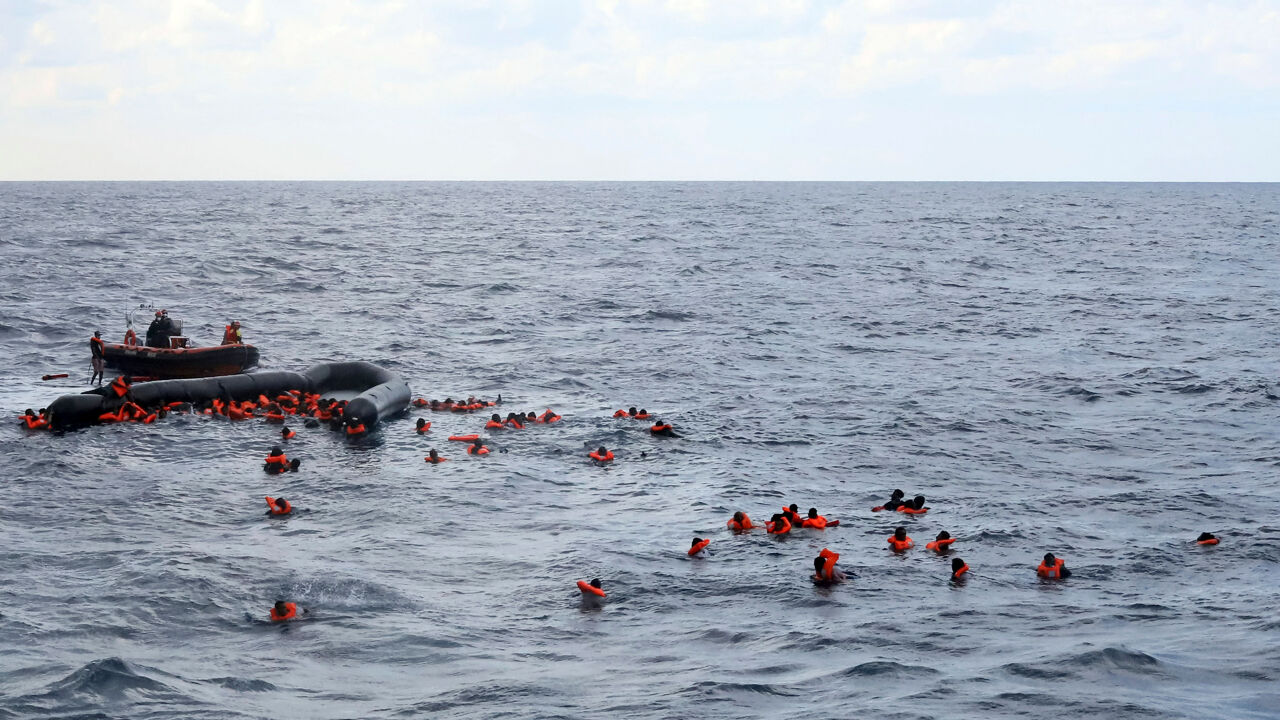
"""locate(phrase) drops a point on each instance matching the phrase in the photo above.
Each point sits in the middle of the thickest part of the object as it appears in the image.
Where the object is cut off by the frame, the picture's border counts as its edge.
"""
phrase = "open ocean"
(1084, 369)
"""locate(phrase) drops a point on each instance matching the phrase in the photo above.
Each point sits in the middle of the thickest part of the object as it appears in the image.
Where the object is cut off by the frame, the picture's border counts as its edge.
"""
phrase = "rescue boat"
(178, 359)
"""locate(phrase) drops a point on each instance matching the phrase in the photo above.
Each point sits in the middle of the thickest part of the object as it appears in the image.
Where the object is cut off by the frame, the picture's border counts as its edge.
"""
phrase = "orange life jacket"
(818, 522)
(275, 509)
(641, 416)
(290, 612)
(98, 345)
(513, 422)
(900, 545)
(493, 425)
(473, 451)
(699, 547)
(1051, 572)
(420, 402)
(660, 428)
(230, 335)
(1210, 541)
(425, 427)
(781, 528)
(736, 526)
(606, 457)
(289, 435)
(828, 573)
(912, 511)
(276, 417)
(464, 438)
(34, 422)
(963, 569)
(119, 386)
(147, 420)
(940, 545)
(548, 417)
(280, 459)
(620, 414)
(355, 429)
(587, 587)
(437, 460)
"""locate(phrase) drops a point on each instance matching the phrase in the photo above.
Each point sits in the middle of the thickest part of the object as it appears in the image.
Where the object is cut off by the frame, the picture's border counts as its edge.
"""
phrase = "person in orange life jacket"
(495, 422)
(699, 547)
(278, 506)
(740, 522)
(477, 448)
(894, 501)
(642, 415)
(900, 542)
(530, 417)
(433, 457)
(792, 514)
(1052, 567)
(628, 413)
(820, 574)
(1206, 538)
(958, 568)
(601, 455)
(941, 544)
(34, 421)
(120, 389)
(548, 417)
(778, 525)
(286, 433)
(231, 335)
(283, 611)
(276, 461)
(515, 421)
(814, 520)
(663, 429)
(423, 425)
(97, 356)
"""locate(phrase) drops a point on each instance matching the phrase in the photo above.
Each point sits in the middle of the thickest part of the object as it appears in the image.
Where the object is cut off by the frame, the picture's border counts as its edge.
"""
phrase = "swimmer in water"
(958, 569)
(895, 500)
(663, 429)
(900, 542)
(294, 464)
(825, 571)
(942, 543)
(423, 425)
(1207, 538)
(1053, 567)
(283, 611)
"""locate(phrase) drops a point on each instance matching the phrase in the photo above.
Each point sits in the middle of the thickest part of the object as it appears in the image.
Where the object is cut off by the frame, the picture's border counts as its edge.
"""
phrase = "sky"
(640, 90)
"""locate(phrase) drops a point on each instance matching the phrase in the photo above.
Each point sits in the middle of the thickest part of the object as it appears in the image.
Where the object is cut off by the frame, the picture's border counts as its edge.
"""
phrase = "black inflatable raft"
(378, 392)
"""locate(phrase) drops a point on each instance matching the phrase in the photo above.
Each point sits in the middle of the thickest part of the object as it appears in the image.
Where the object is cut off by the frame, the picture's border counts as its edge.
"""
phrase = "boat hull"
(179, 363)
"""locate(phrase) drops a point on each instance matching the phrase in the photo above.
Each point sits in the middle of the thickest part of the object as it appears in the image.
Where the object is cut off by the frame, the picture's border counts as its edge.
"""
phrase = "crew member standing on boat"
(160, 329)
(231, 336)
(97, 355)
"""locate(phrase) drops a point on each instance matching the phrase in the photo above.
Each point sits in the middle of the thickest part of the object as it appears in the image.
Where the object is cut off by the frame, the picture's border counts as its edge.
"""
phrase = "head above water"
(1049, 559)
(696, 541)
(917, 502)
(794, 508)
(433, 454)
(631, 410)
(777, 518)
(601, 450)
(97, 333)
(1203, 536)
(813, 512)
(595, 583)
(944, 535)
(900, 533)
(280, 608)
(275, 450)
(294, 464)
(281, 503)
(422, 421)
(737, 517)
(898, 495)
(495, 418)
(956, 564)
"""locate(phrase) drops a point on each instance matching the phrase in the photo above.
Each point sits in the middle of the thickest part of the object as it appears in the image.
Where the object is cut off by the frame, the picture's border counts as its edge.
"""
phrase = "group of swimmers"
(825, 571)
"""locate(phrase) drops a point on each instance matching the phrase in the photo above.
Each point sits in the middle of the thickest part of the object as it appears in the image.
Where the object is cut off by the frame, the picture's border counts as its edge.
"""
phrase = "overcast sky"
(640, 89)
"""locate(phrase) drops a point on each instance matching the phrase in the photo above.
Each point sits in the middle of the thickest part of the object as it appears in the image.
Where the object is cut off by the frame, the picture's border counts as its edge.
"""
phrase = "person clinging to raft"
(1054, 568)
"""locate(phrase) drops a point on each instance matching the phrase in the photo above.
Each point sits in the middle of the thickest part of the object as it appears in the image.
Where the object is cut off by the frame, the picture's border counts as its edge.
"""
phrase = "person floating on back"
(958, 568)
(739, 522)
(899, 541)
(1053, 568)
(942, 543)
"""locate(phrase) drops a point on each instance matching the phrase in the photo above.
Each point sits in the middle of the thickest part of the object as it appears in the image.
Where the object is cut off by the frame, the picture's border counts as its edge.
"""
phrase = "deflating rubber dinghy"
(373, 393)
